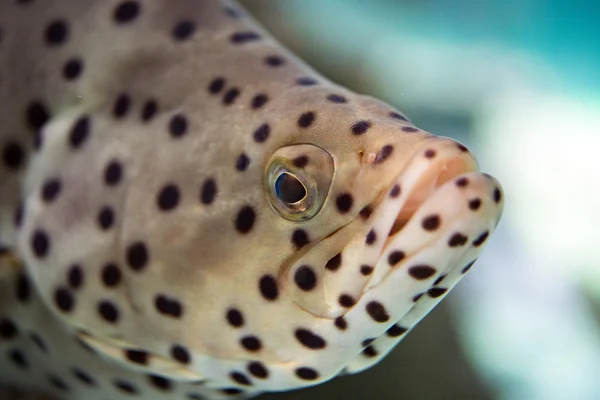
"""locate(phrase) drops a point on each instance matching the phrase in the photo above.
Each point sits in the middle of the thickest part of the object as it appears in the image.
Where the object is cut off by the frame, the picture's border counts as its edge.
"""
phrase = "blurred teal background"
(519, 83)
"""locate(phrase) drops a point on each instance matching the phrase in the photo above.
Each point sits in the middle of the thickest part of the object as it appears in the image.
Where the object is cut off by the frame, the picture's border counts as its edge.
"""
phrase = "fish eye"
(289, 189)
(297, 190)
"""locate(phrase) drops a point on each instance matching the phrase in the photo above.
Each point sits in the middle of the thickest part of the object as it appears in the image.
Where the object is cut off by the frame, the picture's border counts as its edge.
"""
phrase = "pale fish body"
(191, 212)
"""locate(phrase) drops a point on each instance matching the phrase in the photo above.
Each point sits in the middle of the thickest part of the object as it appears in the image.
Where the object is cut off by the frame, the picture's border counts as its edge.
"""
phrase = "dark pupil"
(289, 189)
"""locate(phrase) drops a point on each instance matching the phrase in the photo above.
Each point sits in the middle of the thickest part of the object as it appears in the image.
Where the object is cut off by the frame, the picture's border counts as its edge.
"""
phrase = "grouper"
(189, 211)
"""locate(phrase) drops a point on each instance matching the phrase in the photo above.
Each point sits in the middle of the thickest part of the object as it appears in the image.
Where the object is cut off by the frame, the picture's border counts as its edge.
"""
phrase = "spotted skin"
(157, 240)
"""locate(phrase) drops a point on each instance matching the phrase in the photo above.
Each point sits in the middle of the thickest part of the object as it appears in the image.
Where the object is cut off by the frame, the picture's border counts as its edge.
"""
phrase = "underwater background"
(518, 82)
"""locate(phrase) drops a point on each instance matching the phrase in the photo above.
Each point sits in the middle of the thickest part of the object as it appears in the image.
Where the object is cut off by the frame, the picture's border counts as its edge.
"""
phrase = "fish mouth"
(362, 248)
(447, 161)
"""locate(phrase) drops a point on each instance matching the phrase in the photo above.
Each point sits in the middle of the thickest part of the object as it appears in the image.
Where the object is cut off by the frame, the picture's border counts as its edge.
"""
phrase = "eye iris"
(289, 189)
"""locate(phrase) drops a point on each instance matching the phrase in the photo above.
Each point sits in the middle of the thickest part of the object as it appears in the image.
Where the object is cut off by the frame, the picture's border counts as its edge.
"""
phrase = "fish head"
(275, 245)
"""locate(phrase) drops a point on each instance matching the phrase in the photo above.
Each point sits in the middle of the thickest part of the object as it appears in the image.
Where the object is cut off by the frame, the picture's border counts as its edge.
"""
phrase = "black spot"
(240, 378)
(251, 343)
(305, 278)
(497, 195)
(366, 270)
(229, 391)
(83, 376)
(366, 212)
(274, 61)
(436, 292)
(13, 155)
(72, 69)
(183, 30)
(168, 197)
(458, 239)
(421, 272)
(268, 287)
(395, 192)
(106, 218)
(63, 299)
(113, 173)
(307, 374)
(180, 354)
(310, 339)
(377, 312)
(480, 239)
(259, 100)
(235, 317)
(149, 110)
(108, 311)
(467, 267)
(243, 37)
(474, 204)
(40, 243)
(367, 342)
(23, 291)
(369, 351)
(397, 115)
(121, 107)
(431, 223)
(418, 297)
(439, 280)
(126, 11)
(75, 276)
(395, 257)
(430, 153)
(178, 125)
(230, 96)
(346, 300)
(57, 32)
(300, 238)
(111, 275)
(334, 262)
(305, 81)
(79, 132)
(409, 129)
(8, 330)
(340, 323)
(344, 202)
(306, 119)
(336, 98)
(168, 306)
(462, 182)
(137, 256)
(19, 215)
(208, 191)
(197, 396)
(216, 85)
(159, 382)
(244, 220)
(261, 134)
(301, 161)
(384, 154)
(51, 190)
(360, 127)
(396, 330)
(462, 147)
(36, 115)
(58, 383)
(125, 386)
(242, 162)
(371, 237)
(257, 369)
(137, 356)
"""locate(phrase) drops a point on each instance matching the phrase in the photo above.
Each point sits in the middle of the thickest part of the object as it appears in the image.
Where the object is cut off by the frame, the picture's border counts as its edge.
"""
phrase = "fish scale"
(186, 207)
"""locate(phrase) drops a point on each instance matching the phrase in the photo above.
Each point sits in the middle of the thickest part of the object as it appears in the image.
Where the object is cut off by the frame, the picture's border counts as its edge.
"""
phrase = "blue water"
(565, 34)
